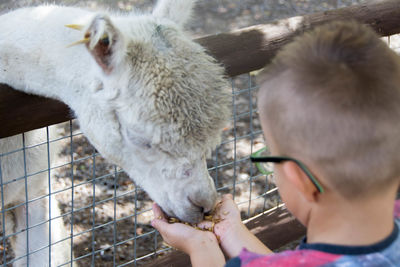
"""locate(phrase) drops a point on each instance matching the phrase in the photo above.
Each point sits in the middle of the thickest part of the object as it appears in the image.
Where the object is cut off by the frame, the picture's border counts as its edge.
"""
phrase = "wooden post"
(251, 48)
(239, 51)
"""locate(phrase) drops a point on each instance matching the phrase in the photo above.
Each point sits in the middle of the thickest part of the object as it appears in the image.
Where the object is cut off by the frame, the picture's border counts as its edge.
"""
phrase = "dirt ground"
(122, 212)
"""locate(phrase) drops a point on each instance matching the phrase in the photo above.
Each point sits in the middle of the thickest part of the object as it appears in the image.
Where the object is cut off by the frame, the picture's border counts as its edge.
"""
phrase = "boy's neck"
(338, 221)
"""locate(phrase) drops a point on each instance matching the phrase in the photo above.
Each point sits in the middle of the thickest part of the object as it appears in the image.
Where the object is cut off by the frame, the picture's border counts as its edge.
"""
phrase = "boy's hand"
(181, 236)
(228, 215)
(230, 229)
(232, 233)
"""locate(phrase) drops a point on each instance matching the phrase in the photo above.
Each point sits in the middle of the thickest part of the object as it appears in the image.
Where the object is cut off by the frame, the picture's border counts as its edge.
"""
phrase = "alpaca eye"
(138, 141)
(105, 41)
(187, 173)
(142, 144)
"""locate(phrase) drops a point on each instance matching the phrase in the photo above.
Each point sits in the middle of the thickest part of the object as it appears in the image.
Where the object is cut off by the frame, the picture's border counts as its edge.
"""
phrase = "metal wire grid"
(242, 88)
(227, 167)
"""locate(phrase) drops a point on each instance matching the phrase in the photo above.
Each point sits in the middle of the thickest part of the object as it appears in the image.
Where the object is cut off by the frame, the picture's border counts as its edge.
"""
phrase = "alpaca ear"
(104, 42)
(178, 11)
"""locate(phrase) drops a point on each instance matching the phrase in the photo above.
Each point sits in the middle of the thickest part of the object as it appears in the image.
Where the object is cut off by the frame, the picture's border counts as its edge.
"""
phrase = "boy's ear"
(299, 179)
(104, 42)
(178, 11)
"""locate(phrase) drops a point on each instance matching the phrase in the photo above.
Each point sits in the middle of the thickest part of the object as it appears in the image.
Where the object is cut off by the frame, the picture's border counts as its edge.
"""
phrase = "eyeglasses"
(259, 157)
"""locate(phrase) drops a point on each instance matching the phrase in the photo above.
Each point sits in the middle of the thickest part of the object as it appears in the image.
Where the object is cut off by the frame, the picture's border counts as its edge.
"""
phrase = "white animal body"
(146, 96)
(36, 159)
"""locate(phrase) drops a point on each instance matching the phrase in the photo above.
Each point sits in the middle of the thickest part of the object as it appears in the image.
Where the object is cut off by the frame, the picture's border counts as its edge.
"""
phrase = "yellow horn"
(75, 26)
(83, 41)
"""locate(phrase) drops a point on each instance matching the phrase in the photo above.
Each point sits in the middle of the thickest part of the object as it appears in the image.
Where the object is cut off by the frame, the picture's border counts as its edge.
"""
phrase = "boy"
(330, 105)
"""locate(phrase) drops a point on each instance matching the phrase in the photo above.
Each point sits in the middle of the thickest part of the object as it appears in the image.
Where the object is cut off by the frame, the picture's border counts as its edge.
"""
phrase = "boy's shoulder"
(282, 259)
(312, 257)
(384, 253)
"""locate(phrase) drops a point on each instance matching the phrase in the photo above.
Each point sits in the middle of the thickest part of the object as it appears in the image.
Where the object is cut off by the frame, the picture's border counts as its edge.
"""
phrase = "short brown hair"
(339, 108)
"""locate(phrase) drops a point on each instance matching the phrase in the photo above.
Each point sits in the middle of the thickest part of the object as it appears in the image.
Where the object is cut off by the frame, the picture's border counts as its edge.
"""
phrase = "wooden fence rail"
(239, 51)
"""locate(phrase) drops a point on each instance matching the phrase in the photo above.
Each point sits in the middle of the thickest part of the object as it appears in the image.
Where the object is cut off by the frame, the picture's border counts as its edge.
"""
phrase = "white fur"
(155, 105)
(12, 167)
(176, 10)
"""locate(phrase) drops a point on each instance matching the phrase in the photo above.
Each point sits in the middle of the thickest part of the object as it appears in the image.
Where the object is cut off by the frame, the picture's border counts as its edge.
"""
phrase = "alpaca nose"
(196, 204)
(205, 204)
(206, 211)
(202, 210)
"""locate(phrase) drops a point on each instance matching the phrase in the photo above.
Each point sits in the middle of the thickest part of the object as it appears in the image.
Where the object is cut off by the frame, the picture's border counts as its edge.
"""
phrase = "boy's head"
(331, 99)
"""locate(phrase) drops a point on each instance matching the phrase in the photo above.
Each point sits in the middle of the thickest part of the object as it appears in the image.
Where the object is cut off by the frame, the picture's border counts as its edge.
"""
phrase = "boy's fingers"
(160, 225)
(227, 200)
(156, 210)
(227, 197)
(158, 213)
(205, 225)
(228, 206)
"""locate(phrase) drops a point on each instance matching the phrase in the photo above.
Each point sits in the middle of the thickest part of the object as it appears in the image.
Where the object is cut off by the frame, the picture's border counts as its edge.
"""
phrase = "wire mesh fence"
(103, 218)
(106, 216)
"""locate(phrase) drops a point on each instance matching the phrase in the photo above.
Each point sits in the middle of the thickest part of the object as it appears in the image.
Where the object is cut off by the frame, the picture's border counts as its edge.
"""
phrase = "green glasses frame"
(258, 159)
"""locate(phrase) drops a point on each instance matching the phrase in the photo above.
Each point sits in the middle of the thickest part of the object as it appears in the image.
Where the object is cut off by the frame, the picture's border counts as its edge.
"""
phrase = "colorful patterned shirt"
(383, 253)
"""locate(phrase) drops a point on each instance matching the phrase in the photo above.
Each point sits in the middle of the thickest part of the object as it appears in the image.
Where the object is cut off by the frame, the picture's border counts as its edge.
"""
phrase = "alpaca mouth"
(200, 208)
(168, 212)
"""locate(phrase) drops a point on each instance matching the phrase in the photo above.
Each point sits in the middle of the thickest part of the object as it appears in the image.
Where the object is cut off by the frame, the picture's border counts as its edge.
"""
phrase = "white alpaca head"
(162, 104)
